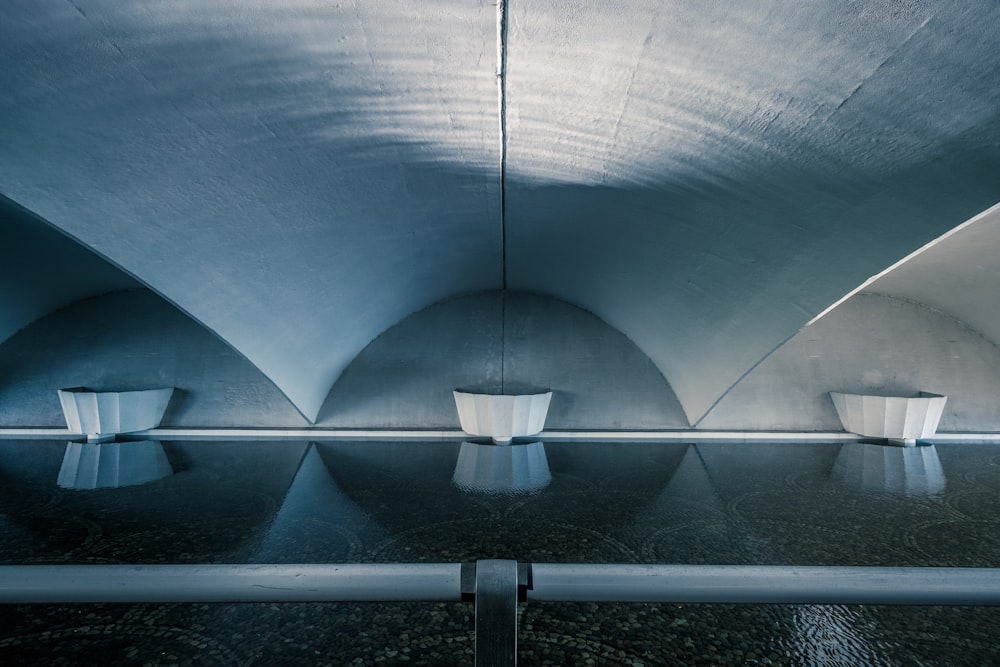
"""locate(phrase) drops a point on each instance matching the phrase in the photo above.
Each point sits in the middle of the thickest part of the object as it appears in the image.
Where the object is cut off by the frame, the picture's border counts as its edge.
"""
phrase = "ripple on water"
(956, 542)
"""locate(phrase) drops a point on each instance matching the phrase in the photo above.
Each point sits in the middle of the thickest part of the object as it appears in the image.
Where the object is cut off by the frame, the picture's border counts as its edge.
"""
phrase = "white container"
(903, 418)
(502, 417)
(103, 414)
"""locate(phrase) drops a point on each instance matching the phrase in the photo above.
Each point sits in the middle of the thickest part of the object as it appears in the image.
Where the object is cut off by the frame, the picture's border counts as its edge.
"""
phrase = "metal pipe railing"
(377, 582)
(496, 586)
(230, 583)
(762, 584)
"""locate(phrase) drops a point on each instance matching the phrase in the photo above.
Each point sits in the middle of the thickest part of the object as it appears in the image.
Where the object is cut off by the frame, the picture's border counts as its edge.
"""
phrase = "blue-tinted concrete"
(134, 340)
(516, 342)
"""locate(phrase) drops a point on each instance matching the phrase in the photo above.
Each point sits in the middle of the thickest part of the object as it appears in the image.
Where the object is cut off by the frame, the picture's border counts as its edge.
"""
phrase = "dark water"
(807, 504)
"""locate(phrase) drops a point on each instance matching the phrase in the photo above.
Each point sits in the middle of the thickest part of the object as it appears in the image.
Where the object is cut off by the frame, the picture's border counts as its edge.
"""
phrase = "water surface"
(290, 501)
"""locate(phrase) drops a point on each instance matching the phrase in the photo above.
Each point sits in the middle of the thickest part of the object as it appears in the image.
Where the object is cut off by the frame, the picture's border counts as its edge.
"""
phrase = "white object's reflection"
(103, 465)
(912, 471)
(502, 469)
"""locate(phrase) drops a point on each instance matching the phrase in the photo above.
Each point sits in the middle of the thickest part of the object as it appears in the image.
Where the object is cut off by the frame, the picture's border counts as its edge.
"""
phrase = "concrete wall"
(870, 344)
(134, 340)
(404, 379)
(599, 378)
(42, 270)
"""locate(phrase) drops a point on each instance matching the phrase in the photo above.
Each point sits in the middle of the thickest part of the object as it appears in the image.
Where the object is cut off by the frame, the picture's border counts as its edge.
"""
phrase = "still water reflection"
(96, 465)
(810, 504)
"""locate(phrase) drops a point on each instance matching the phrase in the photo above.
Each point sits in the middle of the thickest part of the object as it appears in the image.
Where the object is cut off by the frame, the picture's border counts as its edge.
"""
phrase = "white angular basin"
(502, 417)
(904, 418)
(103, 414)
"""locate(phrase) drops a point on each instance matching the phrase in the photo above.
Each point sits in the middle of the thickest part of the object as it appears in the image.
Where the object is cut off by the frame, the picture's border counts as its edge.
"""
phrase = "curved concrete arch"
(511, 342)
(300, 176)
(133, 340)
(871, 344)
(285, 174)
(720, 177)
(954, 277)
(957, 274)
(42, 271)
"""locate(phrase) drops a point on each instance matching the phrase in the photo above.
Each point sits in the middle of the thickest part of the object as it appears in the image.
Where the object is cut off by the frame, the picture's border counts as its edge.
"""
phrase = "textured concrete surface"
(297, 176)
(128, 341)
(42, 270)
(301, 176)
(958, 275)
(870, 344)
(706, 179)
(599, 379)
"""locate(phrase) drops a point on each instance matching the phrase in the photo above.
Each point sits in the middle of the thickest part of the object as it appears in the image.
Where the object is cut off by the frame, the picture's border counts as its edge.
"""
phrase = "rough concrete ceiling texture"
(298, 176)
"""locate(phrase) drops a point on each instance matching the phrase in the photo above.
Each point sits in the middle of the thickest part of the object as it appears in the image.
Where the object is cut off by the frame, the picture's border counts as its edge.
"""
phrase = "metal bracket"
(496, 613)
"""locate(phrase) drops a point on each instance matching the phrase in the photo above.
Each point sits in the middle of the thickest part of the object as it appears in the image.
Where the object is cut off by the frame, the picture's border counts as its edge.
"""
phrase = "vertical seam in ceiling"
(502, 101)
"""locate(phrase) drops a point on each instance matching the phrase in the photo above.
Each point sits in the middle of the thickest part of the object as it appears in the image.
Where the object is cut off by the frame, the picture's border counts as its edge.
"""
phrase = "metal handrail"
(764, 584)
(230, 583)
(378, 582)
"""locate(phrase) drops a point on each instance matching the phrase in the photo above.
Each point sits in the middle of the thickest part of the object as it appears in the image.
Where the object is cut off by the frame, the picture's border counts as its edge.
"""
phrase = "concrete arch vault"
(298, 177)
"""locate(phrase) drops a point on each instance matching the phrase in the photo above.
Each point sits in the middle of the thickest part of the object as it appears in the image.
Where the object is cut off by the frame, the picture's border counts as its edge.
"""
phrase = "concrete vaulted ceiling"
(298, 176)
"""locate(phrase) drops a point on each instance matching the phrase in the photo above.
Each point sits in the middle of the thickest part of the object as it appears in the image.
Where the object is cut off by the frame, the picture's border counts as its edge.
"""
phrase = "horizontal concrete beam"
(318, 433)
(420, 434)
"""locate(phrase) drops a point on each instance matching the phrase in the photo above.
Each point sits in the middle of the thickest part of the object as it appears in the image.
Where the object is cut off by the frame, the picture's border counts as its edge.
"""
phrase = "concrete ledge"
(449, 435)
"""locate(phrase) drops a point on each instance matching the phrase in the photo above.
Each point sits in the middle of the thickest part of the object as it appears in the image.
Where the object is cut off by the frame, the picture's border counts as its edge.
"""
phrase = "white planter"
(502, 416)
(496, 469)
(102, 465)
(895, 417)
(911, 471)
(104, 414)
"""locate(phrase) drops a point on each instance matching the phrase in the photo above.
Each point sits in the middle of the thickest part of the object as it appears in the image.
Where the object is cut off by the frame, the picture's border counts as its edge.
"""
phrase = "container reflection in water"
(100, 465)
(637, 502)
(502, 469)
(911, 471)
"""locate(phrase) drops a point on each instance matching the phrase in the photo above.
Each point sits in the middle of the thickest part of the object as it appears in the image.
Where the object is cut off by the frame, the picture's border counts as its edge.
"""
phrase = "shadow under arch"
(497, 340)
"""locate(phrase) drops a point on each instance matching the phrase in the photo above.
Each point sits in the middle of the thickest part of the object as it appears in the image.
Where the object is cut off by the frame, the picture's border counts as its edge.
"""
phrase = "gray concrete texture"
(298, 177)
(517, 342)
(41, 270)
(958, 275)
(512, 343)
(870, 344)
(127, 341)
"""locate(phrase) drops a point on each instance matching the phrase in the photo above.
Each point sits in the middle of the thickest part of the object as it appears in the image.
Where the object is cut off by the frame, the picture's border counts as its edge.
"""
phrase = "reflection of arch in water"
(689, 494)
(688, 517)
(316, 521)
(696, 524)
(473, 539)
(102, 465)
(910, 471)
